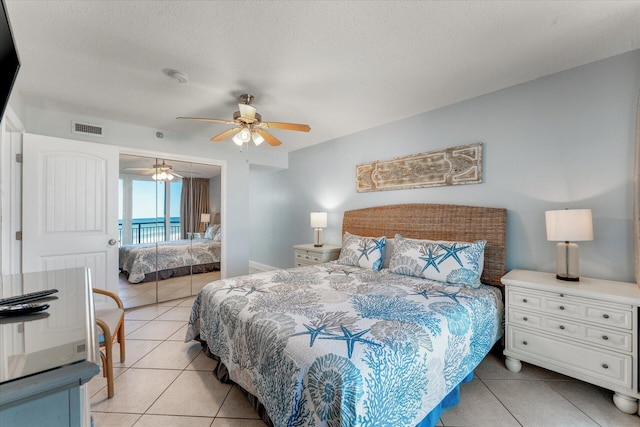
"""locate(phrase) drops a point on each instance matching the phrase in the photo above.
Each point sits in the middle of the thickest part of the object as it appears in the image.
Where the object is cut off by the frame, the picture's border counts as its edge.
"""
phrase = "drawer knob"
(561, 295)
(524, 300)
(525, 319)
(524, 343)
(605, 366)
(561, 307)
(562, 327)
(604, 337)
(606, 316)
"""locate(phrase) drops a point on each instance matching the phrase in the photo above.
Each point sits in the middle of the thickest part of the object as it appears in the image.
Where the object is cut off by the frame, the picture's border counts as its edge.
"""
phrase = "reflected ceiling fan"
(158, 172)
(248, 125)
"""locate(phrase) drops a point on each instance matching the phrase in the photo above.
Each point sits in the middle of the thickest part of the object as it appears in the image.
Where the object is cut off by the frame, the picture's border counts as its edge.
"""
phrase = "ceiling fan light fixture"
(245, 134)
(257, 138)
(236, 139)
(162, 176)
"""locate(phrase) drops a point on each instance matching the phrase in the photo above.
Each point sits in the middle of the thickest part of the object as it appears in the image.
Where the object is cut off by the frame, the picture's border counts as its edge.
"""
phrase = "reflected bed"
(144, 262)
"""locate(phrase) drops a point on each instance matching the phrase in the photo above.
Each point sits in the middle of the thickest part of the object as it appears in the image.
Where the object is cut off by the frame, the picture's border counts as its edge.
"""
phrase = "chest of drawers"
(587, 330)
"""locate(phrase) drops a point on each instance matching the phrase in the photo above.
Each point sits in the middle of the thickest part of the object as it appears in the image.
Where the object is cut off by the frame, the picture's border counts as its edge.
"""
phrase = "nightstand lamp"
(318, 222)
(567, 226)
(205, 218)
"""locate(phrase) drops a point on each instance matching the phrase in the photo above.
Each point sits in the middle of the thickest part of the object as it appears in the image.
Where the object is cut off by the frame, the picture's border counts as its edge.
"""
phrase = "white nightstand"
(587, 330)
(309, 254)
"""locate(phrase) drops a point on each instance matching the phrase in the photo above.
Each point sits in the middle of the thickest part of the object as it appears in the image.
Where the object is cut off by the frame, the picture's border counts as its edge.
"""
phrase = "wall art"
(450, 166)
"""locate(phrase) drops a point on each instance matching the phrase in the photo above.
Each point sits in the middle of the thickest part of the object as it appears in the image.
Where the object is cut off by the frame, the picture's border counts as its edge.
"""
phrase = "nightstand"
(586, 330)
(309, 254)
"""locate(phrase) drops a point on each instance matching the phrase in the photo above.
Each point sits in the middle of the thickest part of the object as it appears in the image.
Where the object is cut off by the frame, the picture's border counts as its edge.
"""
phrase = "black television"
(9, 62)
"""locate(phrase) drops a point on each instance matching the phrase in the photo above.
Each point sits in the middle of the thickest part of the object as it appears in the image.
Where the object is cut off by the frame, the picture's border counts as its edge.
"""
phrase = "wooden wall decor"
(451, 166)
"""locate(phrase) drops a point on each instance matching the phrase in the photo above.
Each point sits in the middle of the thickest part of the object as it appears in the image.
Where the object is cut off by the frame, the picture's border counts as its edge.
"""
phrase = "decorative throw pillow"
(456, 263)
(211, 231)
(218, 234)
(365, 252)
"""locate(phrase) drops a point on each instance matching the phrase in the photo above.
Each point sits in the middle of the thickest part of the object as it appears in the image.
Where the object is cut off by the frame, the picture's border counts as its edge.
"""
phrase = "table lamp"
(567, 226)
(205, 218)
(318, 222)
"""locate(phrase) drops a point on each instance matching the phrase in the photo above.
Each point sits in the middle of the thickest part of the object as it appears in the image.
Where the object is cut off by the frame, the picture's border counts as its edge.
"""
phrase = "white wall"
(566, 140)
(58, 124)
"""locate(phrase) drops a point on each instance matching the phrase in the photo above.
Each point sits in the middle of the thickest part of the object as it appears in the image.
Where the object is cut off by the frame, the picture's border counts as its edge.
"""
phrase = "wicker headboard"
(438, 222)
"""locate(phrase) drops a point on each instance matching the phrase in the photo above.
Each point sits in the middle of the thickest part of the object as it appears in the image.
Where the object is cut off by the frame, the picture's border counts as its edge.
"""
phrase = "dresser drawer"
(609, 338)
(303, 255)
(568, 306)
(608, 367)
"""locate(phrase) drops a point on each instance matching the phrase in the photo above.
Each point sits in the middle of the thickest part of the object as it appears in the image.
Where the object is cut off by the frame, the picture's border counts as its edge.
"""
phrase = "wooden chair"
(110, 322)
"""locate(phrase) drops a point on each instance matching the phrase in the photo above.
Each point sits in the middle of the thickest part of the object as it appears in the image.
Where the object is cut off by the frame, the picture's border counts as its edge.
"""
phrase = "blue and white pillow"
(455, 263)
(217, 236)
(365, 252)
(211, 231)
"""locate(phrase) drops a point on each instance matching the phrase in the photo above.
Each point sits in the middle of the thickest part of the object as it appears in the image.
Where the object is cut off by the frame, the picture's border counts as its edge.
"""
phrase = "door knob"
(112, 242)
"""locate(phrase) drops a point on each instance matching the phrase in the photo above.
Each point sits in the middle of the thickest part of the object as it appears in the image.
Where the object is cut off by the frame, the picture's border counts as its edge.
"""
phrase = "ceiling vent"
(86, 129)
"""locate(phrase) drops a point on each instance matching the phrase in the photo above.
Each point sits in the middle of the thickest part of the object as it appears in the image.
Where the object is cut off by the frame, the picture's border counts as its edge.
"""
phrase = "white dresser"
(309, 254)
(586, 330)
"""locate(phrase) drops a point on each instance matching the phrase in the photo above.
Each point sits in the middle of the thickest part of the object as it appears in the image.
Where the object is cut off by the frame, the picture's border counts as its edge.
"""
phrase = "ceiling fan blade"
(175, 174)
(287, 126)
(271, 140)
(147, 172)
(206, 119)
(225, 134)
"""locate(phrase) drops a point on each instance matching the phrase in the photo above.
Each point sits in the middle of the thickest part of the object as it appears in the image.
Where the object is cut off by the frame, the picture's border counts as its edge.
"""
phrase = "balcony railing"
(151, 232)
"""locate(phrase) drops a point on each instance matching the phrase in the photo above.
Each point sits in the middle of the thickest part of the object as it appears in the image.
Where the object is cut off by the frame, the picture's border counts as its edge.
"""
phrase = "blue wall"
(565, 140)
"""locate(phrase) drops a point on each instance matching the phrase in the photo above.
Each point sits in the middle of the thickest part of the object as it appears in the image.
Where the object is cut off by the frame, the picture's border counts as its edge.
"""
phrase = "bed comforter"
(342, 346)
(139, 260)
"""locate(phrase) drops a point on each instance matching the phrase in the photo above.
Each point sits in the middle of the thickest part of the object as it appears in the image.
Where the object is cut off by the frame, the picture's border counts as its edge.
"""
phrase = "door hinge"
(18, 235)
(19, 158)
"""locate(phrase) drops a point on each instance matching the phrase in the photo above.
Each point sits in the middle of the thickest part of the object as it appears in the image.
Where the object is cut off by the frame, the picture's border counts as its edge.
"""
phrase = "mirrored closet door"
(169, 229)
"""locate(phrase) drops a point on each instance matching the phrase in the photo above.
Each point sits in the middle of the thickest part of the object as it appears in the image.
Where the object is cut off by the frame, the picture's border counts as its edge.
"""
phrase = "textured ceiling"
(339, 66)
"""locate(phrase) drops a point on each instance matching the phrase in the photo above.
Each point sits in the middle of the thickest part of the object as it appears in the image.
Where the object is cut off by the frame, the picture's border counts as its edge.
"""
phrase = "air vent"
(86, 129)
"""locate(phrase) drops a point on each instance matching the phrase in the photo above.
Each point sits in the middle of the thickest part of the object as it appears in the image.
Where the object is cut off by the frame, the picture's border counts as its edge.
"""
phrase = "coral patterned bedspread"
(139, 260)
(343, 346)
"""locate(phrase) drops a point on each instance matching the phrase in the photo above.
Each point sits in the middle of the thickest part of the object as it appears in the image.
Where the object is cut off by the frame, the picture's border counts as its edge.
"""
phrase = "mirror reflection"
(169, 229)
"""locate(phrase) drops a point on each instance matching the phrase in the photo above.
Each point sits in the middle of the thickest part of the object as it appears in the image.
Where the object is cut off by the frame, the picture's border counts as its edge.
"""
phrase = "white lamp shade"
(205, 217)
(569, 225)
(236, 139)
(318, 219)
(257, 138)
(244, 134)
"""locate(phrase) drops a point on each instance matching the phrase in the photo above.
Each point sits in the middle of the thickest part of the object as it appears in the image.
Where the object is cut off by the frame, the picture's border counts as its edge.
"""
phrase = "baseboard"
(255, 267)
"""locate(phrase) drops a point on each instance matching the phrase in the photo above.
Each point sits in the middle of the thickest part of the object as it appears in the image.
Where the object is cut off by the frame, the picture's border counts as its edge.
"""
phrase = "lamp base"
(567, 278)
(317, 237)
(567, 262)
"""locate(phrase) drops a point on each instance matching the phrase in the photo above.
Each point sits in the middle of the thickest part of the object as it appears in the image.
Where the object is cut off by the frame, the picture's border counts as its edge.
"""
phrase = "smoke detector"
(178, 76)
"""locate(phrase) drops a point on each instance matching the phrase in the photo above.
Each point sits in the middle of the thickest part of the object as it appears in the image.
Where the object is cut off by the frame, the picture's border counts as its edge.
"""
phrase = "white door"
(70, 207)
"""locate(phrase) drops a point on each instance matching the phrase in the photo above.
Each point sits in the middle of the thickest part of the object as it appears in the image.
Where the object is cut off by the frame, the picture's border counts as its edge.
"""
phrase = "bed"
(339, 344)
(148, 262)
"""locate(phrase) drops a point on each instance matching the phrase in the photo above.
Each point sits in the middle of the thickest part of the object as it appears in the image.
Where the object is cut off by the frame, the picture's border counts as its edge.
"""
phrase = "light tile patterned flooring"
(166, 382)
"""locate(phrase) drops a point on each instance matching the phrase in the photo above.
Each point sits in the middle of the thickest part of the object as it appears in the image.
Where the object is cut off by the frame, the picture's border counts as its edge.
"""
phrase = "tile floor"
(166, 382)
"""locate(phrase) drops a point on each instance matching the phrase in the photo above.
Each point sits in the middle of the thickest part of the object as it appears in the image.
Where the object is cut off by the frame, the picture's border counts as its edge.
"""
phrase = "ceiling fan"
(158, 172)
(248, 125)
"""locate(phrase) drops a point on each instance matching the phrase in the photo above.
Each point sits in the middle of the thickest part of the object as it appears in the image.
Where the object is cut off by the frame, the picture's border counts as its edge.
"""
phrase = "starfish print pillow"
(455, 263)
(365, 252)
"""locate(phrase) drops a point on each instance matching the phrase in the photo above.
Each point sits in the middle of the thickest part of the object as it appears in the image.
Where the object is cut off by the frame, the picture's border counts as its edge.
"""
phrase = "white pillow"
(365, 252)
(456, 263)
